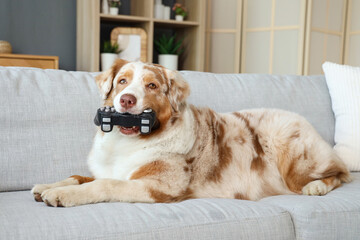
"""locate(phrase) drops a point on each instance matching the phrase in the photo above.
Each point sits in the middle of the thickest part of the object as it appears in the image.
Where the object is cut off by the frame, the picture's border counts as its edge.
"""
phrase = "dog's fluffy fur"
(195, 152)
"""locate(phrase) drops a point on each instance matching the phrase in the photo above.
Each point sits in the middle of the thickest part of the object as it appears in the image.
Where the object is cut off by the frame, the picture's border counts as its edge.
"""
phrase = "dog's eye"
(122, 81)
(151, 86)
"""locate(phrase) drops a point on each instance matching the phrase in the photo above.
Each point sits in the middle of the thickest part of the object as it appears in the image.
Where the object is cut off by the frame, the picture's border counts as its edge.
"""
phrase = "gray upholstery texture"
(46, 133)
(22, 218)
(333, 216)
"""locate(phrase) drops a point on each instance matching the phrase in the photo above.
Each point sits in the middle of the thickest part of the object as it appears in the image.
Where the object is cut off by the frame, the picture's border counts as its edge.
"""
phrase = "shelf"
(123, 18)
(174, 23)
(94, 27)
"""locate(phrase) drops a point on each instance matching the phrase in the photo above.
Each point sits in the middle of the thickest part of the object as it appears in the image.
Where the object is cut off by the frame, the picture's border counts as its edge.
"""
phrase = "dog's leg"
(107, 190)
(157, 181)
(38, 189)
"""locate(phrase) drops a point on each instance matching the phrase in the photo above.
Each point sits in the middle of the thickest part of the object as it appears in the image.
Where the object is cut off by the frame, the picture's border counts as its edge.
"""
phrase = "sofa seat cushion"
(333, 216)
(23, 218)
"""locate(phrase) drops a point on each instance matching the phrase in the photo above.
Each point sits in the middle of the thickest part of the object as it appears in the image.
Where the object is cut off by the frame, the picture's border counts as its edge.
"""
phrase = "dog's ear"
(104, 81)
(179, 89)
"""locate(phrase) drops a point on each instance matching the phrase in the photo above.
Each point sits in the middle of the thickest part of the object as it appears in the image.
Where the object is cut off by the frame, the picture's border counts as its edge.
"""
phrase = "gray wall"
(41, 27)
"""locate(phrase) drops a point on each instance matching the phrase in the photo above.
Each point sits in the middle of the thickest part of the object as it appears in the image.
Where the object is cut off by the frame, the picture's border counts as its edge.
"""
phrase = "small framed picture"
(132, 43)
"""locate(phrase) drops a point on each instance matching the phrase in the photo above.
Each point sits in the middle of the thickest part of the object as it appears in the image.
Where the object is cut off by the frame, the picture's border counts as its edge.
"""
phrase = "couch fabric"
(46, 133)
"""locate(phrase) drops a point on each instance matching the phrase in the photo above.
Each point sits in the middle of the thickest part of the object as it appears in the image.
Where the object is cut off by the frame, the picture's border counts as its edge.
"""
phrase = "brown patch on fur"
(333, 170)
(109, 75)
(161, 197)
(186, 169)
(150, 169)
(294, 179)
(240, 196)
(224, 152)
(159, 72)
(82, 179)
(37, 197)
(258, 163)
(190, 160)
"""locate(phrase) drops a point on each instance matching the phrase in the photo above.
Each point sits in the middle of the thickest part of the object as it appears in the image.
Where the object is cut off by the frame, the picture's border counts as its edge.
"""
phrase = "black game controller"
(107, 117)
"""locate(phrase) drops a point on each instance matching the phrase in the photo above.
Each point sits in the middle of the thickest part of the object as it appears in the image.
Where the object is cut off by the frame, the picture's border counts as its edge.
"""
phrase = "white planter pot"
(179, 17)
(107, 59)
(169, 61)
(114, 11)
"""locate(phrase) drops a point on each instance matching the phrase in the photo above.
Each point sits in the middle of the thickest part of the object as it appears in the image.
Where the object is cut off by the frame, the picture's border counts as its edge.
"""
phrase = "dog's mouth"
(133, 130)
(130, 130)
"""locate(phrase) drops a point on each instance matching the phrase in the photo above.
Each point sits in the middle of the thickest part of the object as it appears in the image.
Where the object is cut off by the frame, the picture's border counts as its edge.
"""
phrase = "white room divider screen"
(281, 36)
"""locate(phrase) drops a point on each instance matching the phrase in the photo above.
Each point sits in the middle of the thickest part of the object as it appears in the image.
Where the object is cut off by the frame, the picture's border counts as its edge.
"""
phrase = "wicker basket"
(5, 47)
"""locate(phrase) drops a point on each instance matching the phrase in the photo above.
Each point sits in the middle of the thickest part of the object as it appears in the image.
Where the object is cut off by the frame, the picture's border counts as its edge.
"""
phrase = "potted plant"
(114, 7)
(169, 51)
(180, 11)
(109, 54)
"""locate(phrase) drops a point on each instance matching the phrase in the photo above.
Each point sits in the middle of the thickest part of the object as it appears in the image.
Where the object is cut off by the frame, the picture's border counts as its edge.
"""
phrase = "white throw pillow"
(344, 86)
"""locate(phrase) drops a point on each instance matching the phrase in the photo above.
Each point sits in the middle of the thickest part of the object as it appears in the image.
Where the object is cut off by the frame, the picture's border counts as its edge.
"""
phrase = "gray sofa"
(46, 130)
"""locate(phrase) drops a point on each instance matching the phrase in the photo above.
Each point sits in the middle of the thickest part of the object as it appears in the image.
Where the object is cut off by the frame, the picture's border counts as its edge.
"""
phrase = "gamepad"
(107, 117)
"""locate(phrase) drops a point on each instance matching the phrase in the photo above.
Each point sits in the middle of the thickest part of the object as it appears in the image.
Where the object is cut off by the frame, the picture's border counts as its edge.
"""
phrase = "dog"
(194, 152)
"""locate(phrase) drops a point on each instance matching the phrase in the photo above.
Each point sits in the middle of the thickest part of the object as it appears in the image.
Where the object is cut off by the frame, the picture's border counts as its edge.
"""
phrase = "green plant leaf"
(168, 45)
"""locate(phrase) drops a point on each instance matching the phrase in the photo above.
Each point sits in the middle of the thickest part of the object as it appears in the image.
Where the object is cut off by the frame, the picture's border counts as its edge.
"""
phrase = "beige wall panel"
(316, 53)
(336, 11)
(257, 52)
(287, 12)
(355, 15)
(224, 14)
(354, 53)
(333, 51)
(319, 9)
(222, 52)
(258, 13)
(285, 60)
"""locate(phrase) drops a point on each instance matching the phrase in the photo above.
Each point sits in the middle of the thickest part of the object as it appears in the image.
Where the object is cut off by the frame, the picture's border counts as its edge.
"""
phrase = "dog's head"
(135, 86)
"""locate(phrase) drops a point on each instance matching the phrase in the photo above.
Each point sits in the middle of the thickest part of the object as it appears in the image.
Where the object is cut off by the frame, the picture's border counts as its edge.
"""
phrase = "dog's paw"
(38, 189)
(61, 197)
(315, 188)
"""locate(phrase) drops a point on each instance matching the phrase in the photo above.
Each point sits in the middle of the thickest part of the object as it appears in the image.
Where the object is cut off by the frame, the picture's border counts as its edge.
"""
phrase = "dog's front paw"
(38, 189)
(61, 197)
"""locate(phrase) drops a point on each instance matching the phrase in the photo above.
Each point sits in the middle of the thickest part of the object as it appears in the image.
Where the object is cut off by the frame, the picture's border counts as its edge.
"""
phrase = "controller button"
(106, 127)
(148, 110)
(107, 110)
(112, 109)
(145, 121)
(107, 120)
(102, 109)
(145, 129)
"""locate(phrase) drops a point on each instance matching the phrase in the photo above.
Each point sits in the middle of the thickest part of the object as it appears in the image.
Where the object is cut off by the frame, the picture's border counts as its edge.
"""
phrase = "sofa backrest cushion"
(46, 125)
(46, 116)
(307, 95)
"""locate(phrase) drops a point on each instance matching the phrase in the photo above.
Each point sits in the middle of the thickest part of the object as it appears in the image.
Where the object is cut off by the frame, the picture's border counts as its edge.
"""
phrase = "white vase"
(105, 7)
(107, 59)
(114, 11)
(166, 13)
(169, 61)
(159, 11)
(179, 17)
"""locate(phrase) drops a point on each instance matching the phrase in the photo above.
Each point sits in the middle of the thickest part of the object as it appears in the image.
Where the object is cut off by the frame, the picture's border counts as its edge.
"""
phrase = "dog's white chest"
(117, 157)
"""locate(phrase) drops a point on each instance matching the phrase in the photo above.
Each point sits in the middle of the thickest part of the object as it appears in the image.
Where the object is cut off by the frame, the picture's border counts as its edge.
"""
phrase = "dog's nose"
(127, 101)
